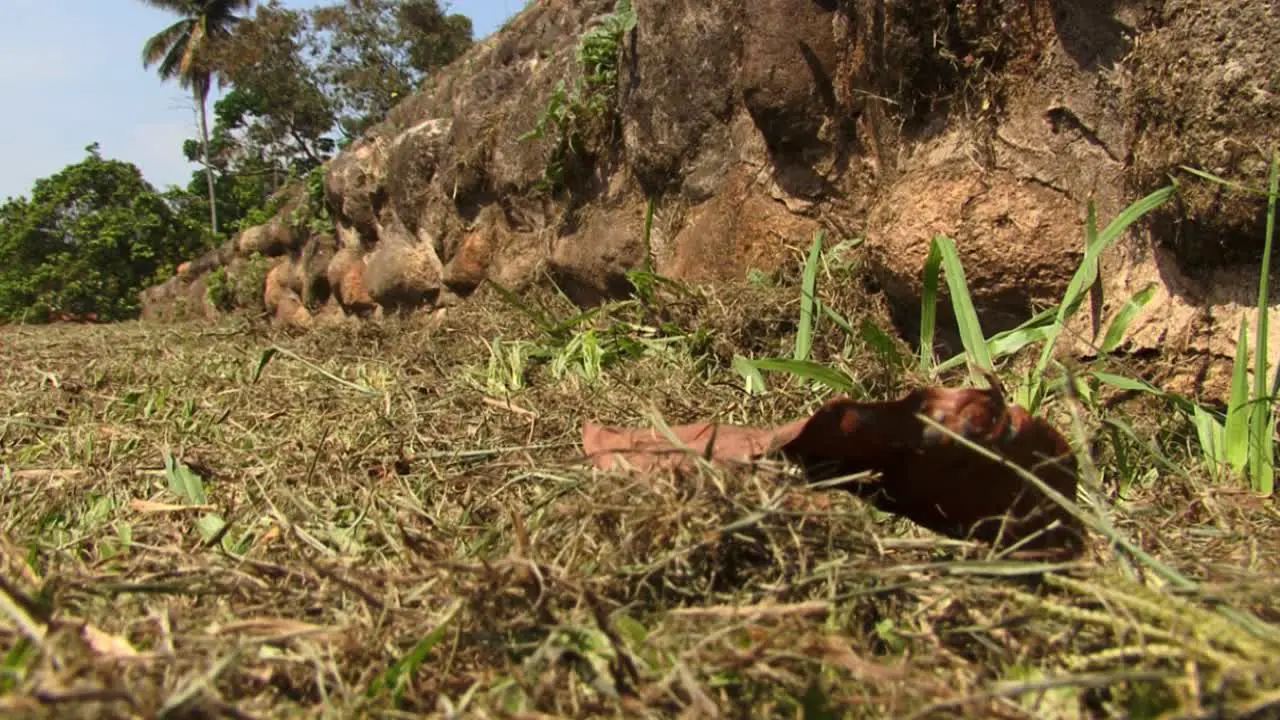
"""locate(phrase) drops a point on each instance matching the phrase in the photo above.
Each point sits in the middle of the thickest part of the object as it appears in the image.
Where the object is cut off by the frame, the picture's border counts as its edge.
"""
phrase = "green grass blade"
(1210, 434)
(1236, 435)
(1008, 342)
(1120, 382)
(1263, 471)
(1095, 243)
(395, 676)
(882, 343)
(363, 389)
(558, 330)
(1126, 383)
(210, 526)
(1124, 316)
(929, 306)
(753, 381)
(1204, 175)
(834, 316)
(809, 284)
(539, 319)
(1150, 447)
(1088, 270)
(183, 481)
(1261, 465)
(975, 343)
(1084, 277)
(263, 358)
(1001, 345)
(807, 370)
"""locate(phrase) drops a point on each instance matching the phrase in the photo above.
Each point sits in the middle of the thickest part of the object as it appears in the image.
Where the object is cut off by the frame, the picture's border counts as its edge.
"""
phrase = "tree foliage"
(278, 102)
(89, 238)
(251, 165)
(372, 53)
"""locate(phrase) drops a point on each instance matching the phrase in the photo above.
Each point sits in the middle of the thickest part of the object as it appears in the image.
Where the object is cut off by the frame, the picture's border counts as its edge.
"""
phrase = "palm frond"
(158, 45)
(228, 7)
(180, 7)
(186, 45)
(169, 67)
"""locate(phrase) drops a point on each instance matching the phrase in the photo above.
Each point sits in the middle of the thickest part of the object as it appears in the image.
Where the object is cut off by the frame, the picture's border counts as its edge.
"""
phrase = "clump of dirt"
(1206, 94)
(943, 60)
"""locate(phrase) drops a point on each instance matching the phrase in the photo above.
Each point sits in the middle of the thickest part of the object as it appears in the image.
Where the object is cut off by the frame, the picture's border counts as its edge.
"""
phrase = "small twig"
(197, 685)
(15, 604)
(83, 695)
(812, 607)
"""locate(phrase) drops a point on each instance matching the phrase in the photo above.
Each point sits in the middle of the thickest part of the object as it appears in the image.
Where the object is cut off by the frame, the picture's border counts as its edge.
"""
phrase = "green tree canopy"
(278, 105)
(373, 53)
(89, 239)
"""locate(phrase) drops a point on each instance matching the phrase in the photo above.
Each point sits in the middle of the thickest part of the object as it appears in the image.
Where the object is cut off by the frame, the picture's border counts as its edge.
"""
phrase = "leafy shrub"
(217, 289)
(241, 289)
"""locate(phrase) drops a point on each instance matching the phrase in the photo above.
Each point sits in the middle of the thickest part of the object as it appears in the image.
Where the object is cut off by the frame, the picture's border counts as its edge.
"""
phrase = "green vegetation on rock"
(239, 288)
(586, 114)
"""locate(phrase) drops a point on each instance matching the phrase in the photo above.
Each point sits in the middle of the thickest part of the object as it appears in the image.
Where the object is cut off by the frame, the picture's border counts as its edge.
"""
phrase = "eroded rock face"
(272, 239)
(740, 228)
(346, 275)
(677, 85)
(997, 222)
(591, 265)
(281, 297)
(751, 127)
(1206, 93)
(312, 267)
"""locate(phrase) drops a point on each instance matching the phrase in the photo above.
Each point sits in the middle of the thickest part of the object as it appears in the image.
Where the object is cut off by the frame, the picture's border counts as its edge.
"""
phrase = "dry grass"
(399, 541)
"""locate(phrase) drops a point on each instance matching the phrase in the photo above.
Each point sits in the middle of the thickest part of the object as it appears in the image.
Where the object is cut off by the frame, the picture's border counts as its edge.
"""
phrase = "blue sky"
(71, 74)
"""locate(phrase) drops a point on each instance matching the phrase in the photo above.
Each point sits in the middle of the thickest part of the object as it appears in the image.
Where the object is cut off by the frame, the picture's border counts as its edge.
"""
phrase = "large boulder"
(271, 239)
(1205, 92)
(346, 276)
(403, 276)
(281, 297)
(312, 269)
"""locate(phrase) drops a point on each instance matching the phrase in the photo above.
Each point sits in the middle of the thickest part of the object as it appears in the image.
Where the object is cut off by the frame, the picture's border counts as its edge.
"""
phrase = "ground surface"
(373, 526)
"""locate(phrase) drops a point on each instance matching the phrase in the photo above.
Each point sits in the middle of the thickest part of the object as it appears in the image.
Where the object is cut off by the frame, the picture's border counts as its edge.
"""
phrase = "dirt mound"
(534, 155)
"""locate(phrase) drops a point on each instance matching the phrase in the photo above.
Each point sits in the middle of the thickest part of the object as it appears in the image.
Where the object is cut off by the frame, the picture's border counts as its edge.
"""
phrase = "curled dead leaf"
(921, 473)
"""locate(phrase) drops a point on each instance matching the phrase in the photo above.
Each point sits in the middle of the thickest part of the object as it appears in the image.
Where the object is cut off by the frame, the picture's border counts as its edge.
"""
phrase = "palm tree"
(185, 52)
